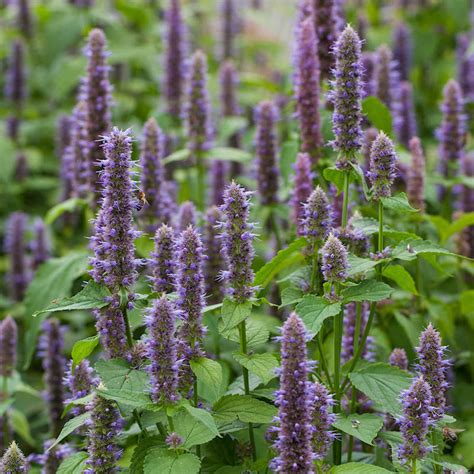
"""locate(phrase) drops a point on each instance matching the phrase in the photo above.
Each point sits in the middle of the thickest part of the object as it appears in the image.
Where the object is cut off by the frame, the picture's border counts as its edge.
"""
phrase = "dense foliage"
(238, 236)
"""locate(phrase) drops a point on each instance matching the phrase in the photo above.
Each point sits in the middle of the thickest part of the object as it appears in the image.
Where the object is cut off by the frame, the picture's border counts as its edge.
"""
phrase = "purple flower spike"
(322, 421)
(214, 263)
(41, 245)
(368, 61)
(266, 116)
(302, 190)
(198, 108)
(415, 421)
(347, 94)
(382, 170)
(162, 351)
(387, 78)
(452, 132)
(174, 441)
(175, 54)
(79, 383)
(433, 365)
(13, 461)
(152, 173)
(294, 400)
(317, 220)
(228, 88)
(219, 172)
(369, 137)
(187, 215)
(19, 275)
(402, 49)
(8, 343)
(23, 18)
(404, 115)
(237, 237)
(334, 260)
(50, 349)
(114, 261)
(307, 89)
(105, 425)
(230, 27)
(163, 260)
(15, 81)
(51, 458)
(398, 358)
(190, 288)
(96, 91)
(465, 66)
(416, 176)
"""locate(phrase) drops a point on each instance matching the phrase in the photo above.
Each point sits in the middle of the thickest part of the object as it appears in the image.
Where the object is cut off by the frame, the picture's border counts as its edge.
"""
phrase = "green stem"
(436, 467)
(314, 284)
(161, 429)
(345, 202)
(245, 374)
(380, 242)
(128, 331)
(196, 403)
(170, 423)
(276, 230)
(324, 364)
(413, 466)
(337, 453)
(139, 423)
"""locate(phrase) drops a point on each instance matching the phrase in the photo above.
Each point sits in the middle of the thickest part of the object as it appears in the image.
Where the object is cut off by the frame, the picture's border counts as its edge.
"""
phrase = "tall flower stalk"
(214, 263)
(301, 190)
(162, 260)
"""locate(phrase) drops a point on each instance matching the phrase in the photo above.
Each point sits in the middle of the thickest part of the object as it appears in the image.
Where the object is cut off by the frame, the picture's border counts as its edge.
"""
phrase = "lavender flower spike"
(198, 108)
(404, 115)
(294, 400)
(51, 347)
(415, 421)
(162, 351)
(41, 245)
(322, 421)
(307, 89)
(15, 83)
(214, 263)
(187, 215)
(163, 260)
(347, 94)
(382, 170)
(317, 220)
(152, 173)
(402, 49)
(302, 190)
(237, 237)
(266, 116)
(416, 176)
(13, 461)
(230, 27)
(398, 358)
(105, 425)
(23, 19)
(387, 78)
(219, 171)
(8, 343)
(228, 82)
(175, 53)
(79, 383)
(433, 366)
(465, 66)
(51, 458)
(334, 260)
(114, 261)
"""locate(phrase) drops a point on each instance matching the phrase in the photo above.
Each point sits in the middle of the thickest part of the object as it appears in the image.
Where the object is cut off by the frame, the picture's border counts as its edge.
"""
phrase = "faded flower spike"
(187, 215)
(237, 237)
(79, 383)
(214, 263)
(402, 50)
(346, 95)
(219, 171)
(398, 358)
(8, 343)
(387, 78)
(322, 421)
(415, 421)
(382, 169)
(307, 89)
(416, 176)
(15, 80)
(404, 115)
(13, 461)
(302, 189)
(317, 221)
(162, 351)
(163, 260)
(334, 260)
(266, 116)
(433, 365)
(41, 245)
(230, 27)
(294, 400)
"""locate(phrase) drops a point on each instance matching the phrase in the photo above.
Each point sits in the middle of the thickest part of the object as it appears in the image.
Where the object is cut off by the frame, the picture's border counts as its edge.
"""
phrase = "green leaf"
(52, 280)
(367, 290)
(360, 265)
(364, 427)
(91, 296)
(244, 408)
(335, 176)
(125, 397)
(290, 296)
(256, 331)
(401, 277)
(360, 176)
(383, 384)
(371, 226)
(117, 374)
(143, 448)
(179, 155)
(358, 468)
(232, 314)
(466, 300)
(209, 373)
(410, 248)
(262, 365)
(192, 429)
(229, 154)
(398, 203)
(74, 464)
(278, 263)
(378, 114)
(202, 416)
(167, 462)
(314, 310)
(229, 126)
(458, 225)
(21, 426)
(69, 427)
(83, 348)
(70, 205)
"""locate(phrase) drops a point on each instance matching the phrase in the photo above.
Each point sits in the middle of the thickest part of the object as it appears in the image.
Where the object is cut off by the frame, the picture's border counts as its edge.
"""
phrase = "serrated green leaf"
(367, 290)
(290, 296)
(398, 203)
(278, 263)
(209, 373)
(142, 449)
(166, 462)
(383, 384)
(69, 427)
(232, 314)
(204, 417)
(192, 429)
(83, 348)
(74, 464)
(360, 265)
(378, 114)
(410, 248)
(370, 226)
(364, 427)
(256, 331)
(125, 397)
(244, 408)
(335, 176)
(314, 310)
(401, 277)
(70, 205)
(262, 365)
